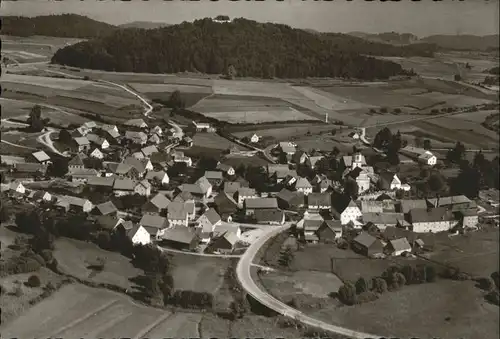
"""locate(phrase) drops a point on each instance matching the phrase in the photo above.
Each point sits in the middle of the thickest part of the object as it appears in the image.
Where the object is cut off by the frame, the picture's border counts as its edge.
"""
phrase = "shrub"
(362, 285)
(347, 294)
(486, 284)
(33, 281)
(47, 256)
(379, 285)
(366, 296)
(493, 297)
(18, 291)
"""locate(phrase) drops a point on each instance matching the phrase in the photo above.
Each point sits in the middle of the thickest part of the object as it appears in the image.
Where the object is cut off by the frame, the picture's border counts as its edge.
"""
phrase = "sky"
(477, 17)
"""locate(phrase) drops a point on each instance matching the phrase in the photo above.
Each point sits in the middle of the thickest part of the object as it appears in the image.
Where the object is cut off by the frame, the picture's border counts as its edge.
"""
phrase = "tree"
(362, 285)
(418, 141)
(33, 281)
(351, 188)
(65, 136)
(457, 153)
(457, 77)
(333, 132)
(427, 144)
(231, 72)
(4, 213)
(379, 285)
(335, 152)
(408, 272)
(35, 119)
(436, 182)
(397, 111)
(175, 101)
(383, 138)
(467, 182)
(479, 160)
(286, 257)
(347, 293)
(58, 167)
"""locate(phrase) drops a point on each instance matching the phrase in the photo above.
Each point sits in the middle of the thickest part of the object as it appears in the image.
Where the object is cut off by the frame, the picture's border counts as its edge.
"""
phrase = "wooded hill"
(254, 49)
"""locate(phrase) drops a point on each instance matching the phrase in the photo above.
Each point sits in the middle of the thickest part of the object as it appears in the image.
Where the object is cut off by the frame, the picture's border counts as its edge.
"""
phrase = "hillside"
(388, 37)
(144, 25)
(464, 42)
(65, 26)
(254, 49)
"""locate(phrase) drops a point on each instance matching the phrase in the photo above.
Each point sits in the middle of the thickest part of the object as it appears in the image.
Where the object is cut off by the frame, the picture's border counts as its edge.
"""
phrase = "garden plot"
(155, 88)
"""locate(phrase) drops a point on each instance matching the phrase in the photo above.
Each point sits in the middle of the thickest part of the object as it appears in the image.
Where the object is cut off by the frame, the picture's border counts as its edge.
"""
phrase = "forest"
(251, 48)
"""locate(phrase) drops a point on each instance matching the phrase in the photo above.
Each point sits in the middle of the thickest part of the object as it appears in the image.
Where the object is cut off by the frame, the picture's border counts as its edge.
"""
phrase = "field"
(215, 141)
(32, 49)
(154, 88)
(75, 257)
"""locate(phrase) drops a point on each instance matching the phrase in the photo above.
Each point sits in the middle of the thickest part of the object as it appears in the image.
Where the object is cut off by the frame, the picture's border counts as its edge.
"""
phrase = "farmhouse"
(290, 200)
(154, 139)
(158, 176)
(367, 245)
(207, 223)
(310, 224)
(389, 181)
(349, 213)
(111, 130)
(178, 213)
(453, 203)
(97, 140)
(77, 162)
(228, 169)
(407, 205)
(138, 123)
(143, 187)
(40, 196)
(81, 144)
(180, 157)
(148, 150)
(139, 235)
(28, 170)
(96, 153)
(254, 138)
(329, 231)
(300, 157)
(311, 161)
(468, 218)
(245, 193)
(181, 238)
(225, 205)
(224, 243)
(101, 183)
(18, 187)
(156, 205)
(397, 247)
(124, 186)
(141, 166)
(375, 206)
(214, 177)
(278, 173)
(382, 220)
(269, 216)
(157, 130)
(82, 174)
(303, 185)
(139, 138)
(153, 224)
(288, 148)
(106, 208)
(319, 201)
(356, 160)
(420, 155)
(431, 220)
(41, 157)
(203, 127)
(251, 205)
(78, 204)
(231, 187)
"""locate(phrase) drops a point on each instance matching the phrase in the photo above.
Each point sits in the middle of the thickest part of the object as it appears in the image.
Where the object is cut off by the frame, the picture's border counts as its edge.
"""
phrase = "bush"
(47, 256)
(486, 284)
(362, 285)
(347, 294)
(366, 297)
(379, 285)
(493, 298)
(18, 291)
(33, 281)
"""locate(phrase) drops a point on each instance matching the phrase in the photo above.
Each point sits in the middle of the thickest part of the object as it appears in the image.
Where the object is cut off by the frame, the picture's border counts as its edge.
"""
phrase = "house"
(143, 188)
(108, 222)
(319, 201)
(290, 200)
(81, 144)
(138, 123)
(41, 196)
(203, 127)
(138, 155)
(254, 138)
(157, 130)
(300, 157)
(453, 203)
(224, 243)
(184, 197)
(111, 131)
(226, 206)
(177, 213)
(389, 181)
(468, 218)
(124, 186)
(303, 185)
(97, 140)
(214, 177)
(158, 176)
(154, 224)
(156, 205)
(279, 172)
(382, 220)
(329, 231)
(350, 213)
(41, 157)
(141, 166)
(397, 247)
(139, 235)
(28, 170)
(78, 204)
(310, 225)
(77, 162)
(139, 138)
(251, 205)
(18, 187)
(245, 193)
(82, 174)
(101, 183)
(180, 157)
(354, 135)
(148, 150)
(228, 169)
(407, 205)
(312, 160)
(356, 160)
(181, 238)
(154, 139)
(287, 147)
(89, 125)
(420, 155)
(231, 187)
(367, 245)
(106, 208)
(187, 141)
(269, 216)
(431, 220)
(427, 158)
(96, 153)
(207, 223)
(201, 189)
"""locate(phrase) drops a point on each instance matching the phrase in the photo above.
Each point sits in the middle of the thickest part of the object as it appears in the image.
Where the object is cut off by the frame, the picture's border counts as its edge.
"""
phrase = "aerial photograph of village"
(293, 169)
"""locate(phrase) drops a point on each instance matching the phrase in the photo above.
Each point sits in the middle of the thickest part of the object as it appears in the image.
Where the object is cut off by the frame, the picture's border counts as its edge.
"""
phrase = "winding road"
(144, 101)
(245, 278)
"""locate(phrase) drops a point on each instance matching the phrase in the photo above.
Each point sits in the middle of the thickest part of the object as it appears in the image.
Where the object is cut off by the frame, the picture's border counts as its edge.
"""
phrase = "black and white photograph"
(249, 169)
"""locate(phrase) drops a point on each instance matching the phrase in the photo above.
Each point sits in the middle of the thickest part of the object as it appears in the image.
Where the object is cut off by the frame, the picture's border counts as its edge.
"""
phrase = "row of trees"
(251, 48)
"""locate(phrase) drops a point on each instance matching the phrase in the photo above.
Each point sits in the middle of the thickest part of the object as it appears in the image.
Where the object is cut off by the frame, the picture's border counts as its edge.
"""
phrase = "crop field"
(215, 141)
(76, 258)
(458, 311)
(453, 99)
(154, 88)
(201, 274)
(284, 132)
(47, 82)
(430, 67)
(80, 311)
(331, 101)
(255, 88)
(15, 108)
(477, 117)
(258, 115)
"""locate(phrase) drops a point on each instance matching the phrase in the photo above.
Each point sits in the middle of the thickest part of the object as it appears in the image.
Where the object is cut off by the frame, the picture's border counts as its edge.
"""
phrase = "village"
(178, 203)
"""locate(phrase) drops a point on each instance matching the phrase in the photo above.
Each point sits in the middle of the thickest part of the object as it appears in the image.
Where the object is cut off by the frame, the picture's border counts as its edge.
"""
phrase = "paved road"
(45, 139)
(246, 281)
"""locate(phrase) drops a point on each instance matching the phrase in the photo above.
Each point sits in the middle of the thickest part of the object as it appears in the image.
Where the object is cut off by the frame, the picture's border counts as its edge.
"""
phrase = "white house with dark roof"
(319, 201)
(206, 223)
(300, 157)
(251, 205)
(82, 174)
(124, 186)
(143, 188)
(154, 139)
(154, 224)
(351, 213)
(98, 140)
(228, 169)
(97, 153)
(244, 193)
(254, 138)
(431, 220)
(287, 147)
(77, 162)
(40, 195)
(41, 157)
(269, 216)
(397, 247)
(356, 160)
(312, 160)
(177, 213)
(159, 176)
(139, 138)
(18, 187)
(139, 235)
(138, 123)
(81, 144)
(156, 205)
(79, 204)
(157, 130)
(303, 185)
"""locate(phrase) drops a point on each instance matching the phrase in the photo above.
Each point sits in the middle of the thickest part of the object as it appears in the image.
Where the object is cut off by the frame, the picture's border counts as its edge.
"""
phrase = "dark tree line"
(243, 46)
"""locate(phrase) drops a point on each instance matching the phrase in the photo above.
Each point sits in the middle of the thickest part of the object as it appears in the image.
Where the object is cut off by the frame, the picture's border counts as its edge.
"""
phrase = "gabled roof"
(82, 141)
(231, 187)
(204, 184)
(407, 205)
(376, 206)
(191, 188)
(41, 156)
(110, 166)
(123, 168)
(451, 200)
(225, 203)
(40, 194)
(124, 184)
(179, 234)
(160, 201)
(286, 195)
(319, 199)
(83, 172)
(107, 208)
(224, 167)
(334, 225)
(148, 150)
(136, 135)
(313, 160)
(136, 123)
(177, 210)
(150, 175)
(430, 215)
(212, 216)
(139, 165)
(77, 160)
(287, 147)
(386, 177)
(230, 236)
(257, 203)
(183, 196)
(267, 215)
(155, 221)
(75, 201)
(303, 183)
(30, 167)
(109, 222)
(365, 239)
(400, 244)
(382, 218)
(95, 138)
(138, 155)
(216, 175)
(246, 192)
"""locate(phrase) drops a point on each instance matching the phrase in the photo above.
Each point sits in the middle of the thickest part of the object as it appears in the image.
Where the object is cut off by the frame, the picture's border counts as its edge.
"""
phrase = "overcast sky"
(479, 17)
